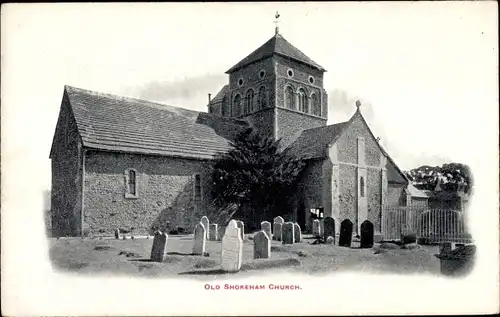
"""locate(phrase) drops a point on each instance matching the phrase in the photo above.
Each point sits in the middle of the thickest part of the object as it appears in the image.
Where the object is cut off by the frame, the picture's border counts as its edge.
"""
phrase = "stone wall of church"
(66, 176)
(348, 190)
(311, 189)
(263, 122)
(165, 193)
(290, 124)
(373, 186)
(395, 195)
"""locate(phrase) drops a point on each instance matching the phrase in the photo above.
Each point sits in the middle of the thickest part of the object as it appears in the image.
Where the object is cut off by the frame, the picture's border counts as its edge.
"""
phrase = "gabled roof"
(312, 143)
(277, 45)
(114, 123)
(415, 192)
(220, 95)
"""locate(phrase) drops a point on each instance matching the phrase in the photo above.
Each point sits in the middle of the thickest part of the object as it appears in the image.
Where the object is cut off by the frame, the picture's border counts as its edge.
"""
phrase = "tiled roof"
(415, 192)
(114, 123)
(279, 46)
(220, 95)
(312, 143)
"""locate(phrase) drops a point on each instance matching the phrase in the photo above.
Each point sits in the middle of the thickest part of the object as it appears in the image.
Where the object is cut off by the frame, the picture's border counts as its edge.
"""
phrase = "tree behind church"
(257, 177)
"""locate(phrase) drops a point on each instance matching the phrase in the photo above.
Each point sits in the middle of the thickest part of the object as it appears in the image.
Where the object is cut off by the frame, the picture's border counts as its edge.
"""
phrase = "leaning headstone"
(330, 240)
(213, 232)
(345, 233)
(287, 234)
(199, 239)
(297, 233)
(117, 234)
(329, 230)
(232, 248)
(206, 223)
(316, 228)
(159, 249)
(241, 226)
(266, 227)
(277, 226)
(321, 228)
(366, 234)
(261, 245)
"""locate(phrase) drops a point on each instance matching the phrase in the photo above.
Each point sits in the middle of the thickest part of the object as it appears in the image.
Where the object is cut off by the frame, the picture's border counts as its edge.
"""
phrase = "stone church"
(120, 162)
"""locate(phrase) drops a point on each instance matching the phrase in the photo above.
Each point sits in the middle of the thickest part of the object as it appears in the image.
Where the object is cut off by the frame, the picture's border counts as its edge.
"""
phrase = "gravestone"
(266, 227)
(297, 233)
(277, 229)
(316, 228)
(330, 240)
(321, 227)
(287, 234)
(366, 234)
(277, 226)
(159, 249)
(117, 234)
(232, 248)
(329, 229)
(206, 224)
(199, 239)
(213, 232)
(345, 233)
(261, 245)
(241, 226)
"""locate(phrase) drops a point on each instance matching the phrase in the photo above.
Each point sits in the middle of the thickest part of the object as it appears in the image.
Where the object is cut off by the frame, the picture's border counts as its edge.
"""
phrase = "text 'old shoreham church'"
(120, 162)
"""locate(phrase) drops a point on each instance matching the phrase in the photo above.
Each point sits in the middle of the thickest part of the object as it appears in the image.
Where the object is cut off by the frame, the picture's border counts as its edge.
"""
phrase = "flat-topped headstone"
(322, 228)
(266, 227)
(241, 226)
(366, 234)
(206, 223)
(232, 248)
(277, 232)
(316, 228)
(329, 230)
(297, 233)
(213, 232)
(345, 233)
(261, 246)
(159, 248)
(199, 239)
(117, 234)
(287, 233)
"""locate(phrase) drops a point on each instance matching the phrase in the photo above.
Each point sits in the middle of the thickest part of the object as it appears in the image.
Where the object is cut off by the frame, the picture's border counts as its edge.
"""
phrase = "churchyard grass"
(132, 258)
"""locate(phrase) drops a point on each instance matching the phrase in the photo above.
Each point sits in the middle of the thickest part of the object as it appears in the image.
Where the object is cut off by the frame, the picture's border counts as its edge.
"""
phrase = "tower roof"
(277, 45)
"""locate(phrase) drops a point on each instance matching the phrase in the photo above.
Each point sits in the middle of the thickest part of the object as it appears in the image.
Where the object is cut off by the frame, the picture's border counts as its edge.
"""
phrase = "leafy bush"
(408, 238)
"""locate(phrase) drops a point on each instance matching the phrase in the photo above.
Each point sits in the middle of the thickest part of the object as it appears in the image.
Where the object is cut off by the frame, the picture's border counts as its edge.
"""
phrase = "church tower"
(277, 88)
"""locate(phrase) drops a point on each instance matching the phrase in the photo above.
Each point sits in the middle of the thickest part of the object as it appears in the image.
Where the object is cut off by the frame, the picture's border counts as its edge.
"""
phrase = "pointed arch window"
(262, 101)
(289, 98)
(237, 105)
(361, 187)
(249, 102)
(315, 106)
(131, 183)
(303, 106)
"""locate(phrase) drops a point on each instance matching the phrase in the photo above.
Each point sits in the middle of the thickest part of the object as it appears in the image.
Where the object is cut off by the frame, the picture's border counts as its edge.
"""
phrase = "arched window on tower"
(249, 102)
(303, 106)
(262, 101)
(315, 106)
(289, 98)
(237, 105)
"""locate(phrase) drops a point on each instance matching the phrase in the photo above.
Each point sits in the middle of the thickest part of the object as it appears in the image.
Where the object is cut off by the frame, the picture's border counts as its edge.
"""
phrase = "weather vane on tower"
(277, 15)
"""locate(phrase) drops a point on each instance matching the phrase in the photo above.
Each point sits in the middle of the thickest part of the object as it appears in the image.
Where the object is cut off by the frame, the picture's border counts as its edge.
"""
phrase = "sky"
(426, 73)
